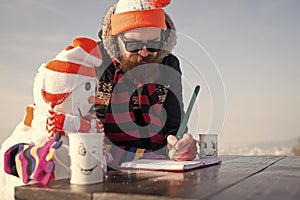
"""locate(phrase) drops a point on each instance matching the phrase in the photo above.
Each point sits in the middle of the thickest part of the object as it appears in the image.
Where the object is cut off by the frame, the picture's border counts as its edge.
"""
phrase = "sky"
(244, 54)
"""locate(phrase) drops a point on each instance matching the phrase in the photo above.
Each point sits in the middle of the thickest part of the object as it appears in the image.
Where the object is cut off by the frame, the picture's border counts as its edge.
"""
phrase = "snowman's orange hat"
(78, 59)
(73, 66)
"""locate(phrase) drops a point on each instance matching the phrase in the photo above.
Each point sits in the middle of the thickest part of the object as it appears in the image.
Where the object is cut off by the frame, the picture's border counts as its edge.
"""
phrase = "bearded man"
(140, 83)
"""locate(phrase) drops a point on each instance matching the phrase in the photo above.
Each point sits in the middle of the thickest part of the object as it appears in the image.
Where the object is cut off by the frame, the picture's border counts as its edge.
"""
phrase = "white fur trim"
(39, 121)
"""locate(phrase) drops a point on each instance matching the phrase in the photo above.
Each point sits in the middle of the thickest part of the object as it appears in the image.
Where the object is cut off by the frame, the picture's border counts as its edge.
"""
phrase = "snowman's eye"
(88, 86)
(81, 150)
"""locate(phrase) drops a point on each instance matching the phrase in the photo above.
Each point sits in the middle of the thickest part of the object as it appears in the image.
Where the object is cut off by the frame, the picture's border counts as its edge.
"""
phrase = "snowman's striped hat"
(72, 67)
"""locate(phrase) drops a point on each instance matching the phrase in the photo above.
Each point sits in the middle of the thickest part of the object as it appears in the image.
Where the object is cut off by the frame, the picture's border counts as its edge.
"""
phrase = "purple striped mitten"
(32, 162)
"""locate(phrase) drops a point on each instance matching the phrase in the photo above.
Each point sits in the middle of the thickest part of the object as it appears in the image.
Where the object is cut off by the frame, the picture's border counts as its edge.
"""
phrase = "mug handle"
(61, 163)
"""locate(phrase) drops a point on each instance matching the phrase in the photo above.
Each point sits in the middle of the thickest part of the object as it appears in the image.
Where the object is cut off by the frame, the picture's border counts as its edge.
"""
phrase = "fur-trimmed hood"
(111, 45)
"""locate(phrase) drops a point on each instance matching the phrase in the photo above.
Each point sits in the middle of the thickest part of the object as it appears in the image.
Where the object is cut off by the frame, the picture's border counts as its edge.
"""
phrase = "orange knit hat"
(131, 14)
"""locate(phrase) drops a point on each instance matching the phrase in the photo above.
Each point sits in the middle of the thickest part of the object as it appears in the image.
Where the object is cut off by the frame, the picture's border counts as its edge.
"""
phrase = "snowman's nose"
(95, 100)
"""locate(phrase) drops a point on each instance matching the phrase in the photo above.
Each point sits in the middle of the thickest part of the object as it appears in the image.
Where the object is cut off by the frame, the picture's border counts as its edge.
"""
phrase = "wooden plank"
(195, 184)
(279, 181)
(118, 196)
(60, 190)
(228, 157)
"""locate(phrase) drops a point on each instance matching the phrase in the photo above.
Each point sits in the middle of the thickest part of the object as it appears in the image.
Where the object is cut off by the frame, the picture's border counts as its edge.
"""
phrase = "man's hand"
(186, 148)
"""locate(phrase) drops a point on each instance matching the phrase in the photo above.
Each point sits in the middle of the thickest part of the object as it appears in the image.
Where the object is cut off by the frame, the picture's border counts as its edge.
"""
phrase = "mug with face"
(86, 155)
(208, 145)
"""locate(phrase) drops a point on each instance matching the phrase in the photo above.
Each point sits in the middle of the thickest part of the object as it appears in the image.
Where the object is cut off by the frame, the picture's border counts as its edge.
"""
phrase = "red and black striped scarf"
(143, 129)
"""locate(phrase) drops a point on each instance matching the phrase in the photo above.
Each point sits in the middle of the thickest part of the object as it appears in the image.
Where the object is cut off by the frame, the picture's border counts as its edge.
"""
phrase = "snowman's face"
(73, 96)
(77, 103)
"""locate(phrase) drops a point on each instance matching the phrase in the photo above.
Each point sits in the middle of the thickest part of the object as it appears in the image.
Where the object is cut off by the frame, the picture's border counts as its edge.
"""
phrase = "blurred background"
(250, 49)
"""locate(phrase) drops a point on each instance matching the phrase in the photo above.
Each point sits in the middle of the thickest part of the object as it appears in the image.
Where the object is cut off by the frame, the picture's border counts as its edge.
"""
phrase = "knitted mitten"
(32, 162)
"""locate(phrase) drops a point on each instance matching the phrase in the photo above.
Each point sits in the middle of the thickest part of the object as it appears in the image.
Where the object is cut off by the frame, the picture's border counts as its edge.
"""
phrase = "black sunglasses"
(137, 45)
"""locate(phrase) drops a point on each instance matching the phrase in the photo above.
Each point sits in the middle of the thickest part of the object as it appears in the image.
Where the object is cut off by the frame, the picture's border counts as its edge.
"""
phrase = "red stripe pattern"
(120, 114)
(70, 68)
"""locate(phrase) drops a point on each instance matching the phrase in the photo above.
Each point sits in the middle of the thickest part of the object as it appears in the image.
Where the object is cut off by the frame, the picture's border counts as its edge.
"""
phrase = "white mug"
(208, 145)
(87, 160)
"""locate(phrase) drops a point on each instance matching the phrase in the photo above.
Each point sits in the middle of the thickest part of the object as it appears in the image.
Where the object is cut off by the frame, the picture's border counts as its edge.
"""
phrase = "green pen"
(185, 120)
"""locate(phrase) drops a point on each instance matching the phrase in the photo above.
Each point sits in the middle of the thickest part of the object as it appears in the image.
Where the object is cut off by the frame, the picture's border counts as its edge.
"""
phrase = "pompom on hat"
(131, 14)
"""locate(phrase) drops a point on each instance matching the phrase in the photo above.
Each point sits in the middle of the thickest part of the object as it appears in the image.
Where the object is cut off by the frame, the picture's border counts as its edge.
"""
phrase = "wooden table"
(238, 177)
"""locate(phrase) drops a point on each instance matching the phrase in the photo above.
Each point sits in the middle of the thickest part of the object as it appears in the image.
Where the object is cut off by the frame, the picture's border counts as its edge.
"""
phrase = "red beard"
(147, 73)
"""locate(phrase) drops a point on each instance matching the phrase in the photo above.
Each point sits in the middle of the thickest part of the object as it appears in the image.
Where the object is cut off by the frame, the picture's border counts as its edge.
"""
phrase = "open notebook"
(170, 165)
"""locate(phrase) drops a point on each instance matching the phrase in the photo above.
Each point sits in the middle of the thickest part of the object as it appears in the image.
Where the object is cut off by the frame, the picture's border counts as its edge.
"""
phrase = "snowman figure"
(64, 91)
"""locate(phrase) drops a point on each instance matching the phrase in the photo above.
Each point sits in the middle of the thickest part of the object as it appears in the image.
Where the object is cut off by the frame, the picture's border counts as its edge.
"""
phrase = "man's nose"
(144, 52)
